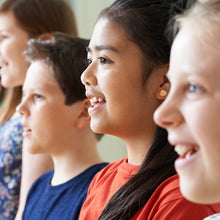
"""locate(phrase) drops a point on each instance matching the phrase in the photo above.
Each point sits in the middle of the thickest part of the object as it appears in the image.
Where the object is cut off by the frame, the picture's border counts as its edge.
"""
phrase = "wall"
(87, 12)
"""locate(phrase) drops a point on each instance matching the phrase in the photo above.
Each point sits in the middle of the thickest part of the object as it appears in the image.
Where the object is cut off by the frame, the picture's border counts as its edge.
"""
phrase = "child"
(126, 82)
(191, 111)
(56, 122)
(21, 20)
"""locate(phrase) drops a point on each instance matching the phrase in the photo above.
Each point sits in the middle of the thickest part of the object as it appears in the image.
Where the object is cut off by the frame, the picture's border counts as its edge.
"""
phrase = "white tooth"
(181, 149)
(100, 100)
(93, 100)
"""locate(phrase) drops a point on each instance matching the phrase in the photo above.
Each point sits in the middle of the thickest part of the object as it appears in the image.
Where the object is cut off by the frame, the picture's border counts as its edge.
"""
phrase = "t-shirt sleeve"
(182, 209)
(167, 203)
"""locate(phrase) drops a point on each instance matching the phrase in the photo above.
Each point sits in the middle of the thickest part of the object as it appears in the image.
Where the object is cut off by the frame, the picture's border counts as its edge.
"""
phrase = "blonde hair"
(206, 14)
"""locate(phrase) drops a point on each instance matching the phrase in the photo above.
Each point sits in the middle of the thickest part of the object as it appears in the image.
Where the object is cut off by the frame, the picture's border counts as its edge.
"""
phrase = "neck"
(69, 164)
(138, 146)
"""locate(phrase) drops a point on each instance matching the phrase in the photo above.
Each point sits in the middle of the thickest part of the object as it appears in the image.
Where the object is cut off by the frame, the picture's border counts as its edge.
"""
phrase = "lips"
(96, 100)
(26, 130)
(187, 157)
(96, 104)
(185, 150)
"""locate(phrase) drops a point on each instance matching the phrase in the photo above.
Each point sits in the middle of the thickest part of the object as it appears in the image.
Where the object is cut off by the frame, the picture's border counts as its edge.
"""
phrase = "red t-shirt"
(166, 203)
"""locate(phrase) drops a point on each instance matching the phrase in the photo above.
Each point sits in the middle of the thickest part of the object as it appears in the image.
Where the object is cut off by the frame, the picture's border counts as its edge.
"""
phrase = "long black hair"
(145, 23)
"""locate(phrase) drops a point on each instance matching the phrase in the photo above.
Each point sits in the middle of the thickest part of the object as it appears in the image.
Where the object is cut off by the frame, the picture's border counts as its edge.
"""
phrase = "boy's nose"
(21, 109)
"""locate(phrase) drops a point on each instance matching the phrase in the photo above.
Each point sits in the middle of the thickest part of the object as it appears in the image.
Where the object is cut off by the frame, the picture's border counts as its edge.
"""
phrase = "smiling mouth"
(96, 100)
(185, 151)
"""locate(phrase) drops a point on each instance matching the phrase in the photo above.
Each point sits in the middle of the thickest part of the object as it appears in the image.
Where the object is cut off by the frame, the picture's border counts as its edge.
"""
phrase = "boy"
(56, 122)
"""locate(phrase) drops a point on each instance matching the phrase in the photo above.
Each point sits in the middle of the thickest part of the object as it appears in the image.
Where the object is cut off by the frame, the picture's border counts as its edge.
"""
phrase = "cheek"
(205, 128)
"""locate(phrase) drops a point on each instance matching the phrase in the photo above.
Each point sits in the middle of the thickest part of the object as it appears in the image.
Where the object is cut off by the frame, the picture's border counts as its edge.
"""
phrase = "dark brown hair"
(68, 57)
(36, 17)
(144, 22)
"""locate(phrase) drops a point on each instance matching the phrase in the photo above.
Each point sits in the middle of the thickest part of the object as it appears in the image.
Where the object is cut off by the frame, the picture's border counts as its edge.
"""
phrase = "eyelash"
(37, 96)
(193, 88)
(89, 61)
(2, 37)
(102, 60)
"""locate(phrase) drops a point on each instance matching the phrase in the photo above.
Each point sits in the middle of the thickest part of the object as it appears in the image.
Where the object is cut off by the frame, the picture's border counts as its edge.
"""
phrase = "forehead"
(8, 21)
(109, 33)
(195, 51)
(40, 74)
(110, 37)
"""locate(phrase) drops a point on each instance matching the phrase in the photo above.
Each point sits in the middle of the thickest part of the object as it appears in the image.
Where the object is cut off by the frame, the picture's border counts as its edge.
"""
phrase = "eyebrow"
(103, 47)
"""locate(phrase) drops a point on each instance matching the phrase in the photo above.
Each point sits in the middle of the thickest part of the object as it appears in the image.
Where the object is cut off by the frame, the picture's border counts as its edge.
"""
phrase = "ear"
(83, 119)
(164, 85)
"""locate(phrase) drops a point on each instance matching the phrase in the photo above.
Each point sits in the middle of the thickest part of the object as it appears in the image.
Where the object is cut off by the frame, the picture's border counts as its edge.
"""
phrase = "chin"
(199, 193)
(96, 127)
(30, 148)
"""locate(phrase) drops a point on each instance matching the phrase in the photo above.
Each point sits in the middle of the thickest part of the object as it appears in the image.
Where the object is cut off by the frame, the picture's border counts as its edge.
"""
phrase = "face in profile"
(191, 112)
(121, 104)
(48, 124)
(13, 41)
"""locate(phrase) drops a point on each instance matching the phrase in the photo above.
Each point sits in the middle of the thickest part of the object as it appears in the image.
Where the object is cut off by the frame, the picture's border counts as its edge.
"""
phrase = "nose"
(88, 77)
(168, 114)
(22, 109)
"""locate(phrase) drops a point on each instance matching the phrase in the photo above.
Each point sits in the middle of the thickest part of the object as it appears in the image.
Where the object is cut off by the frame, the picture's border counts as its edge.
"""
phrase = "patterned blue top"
(10, 166)
(213, 217)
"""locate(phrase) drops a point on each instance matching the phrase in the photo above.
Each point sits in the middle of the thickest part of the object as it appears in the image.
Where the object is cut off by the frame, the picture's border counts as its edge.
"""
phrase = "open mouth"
(26, 132)
(96, 100)
(185, 151)
(96, 103)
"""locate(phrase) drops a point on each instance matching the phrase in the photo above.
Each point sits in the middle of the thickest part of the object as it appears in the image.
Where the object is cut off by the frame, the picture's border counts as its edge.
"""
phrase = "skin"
(190, 113)
(43, 106)
(51, 127)
(114, 77)
(13, 41)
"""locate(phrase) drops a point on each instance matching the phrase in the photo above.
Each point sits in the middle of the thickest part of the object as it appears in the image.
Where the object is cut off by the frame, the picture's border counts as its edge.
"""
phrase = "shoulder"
(110, 169)
(87, 175)
(97, 167)
(167, 202)
(41, 182)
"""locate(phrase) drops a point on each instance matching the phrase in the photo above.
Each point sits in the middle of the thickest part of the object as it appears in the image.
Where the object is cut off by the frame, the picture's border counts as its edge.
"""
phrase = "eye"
(89, 61)
(4, 37)
(1, 38)
(37, 97)
(194, 89)
(103, 60)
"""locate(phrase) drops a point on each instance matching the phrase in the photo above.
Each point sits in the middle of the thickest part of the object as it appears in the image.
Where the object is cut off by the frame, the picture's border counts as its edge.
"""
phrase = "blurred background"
(86, 12)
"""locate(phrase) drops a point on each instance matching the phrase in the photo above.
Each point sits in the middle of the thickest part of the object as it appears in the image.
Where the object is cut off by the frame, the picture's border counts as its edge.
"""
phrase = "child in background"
(191, 111)
(125, 81)
(21, 20)
(55, 121)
